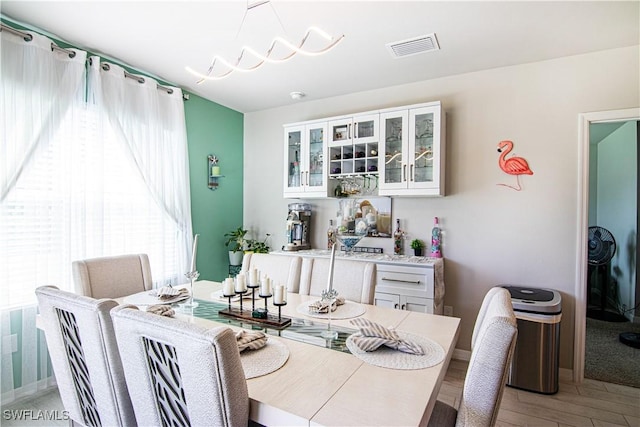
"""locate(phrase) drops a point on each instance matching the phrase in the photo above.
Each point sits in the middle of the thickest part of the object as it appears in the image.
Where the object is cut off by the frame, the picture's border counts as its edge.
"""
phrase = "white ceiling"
(163, 37)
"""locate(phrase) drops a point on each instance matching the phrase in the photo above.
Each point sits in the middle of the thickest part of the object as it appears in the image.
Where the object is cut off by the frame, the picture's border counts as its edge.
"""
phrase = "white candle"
(333, 257)
(279, 296)
(265, 287)
(228, 286)
(253, 277)
(193, 254)
(241, 283)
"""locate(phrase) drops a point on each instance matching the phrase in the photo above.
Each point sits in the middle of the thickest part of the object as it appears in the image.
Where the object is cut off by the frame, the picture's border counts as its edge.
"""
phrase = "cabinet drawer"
(403, 280)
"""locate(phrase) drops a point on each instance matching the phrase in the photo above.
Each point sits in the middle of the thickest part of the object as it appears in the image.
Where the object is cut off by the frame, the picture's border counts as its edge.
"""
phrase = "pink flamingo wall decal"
(513, 165)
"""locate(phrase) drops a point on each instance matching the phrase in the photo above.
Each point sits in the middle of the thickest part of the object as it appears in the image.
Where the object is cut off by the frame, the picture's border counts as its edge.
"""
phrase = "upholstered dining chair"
(492, 346)
(180, 373)
(85, 358)
(112, 277)
(282, 269)
(354, 280)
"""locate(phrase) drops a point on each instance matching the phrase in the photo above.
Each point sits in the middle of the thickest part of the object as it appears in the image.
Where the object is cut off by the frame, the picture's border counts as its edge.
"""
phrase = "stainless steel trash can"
(534, 366)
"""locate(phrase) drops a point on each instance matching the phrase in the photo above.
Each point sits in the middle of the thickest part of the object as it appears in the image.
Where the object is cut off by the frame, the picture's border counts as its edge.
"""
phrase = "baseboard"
(564, 374)
(464, 355)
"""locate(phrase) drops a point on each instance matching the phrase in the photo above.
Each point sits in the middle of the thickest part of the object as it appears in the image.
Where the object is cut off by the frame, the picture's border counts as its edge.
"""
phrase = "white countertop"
(362, 256)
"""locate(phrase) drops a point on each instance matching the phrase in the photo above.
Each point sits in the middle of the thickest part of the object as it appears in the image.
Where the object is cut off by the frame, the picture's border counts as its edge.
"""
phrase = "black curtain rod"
(28, 37)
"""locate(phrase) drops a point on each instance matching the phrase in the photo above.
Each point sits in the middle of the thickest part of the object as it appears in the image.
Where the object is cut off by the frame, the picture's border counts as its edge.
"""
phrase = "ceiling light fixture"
(297, 95)
(262, 59)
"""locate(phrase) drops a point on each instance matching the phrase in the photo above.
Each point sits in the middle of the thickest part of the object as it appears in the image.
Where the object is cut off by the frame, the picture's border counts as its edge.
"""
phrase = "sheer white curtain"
(98, 183)
(150, 123)
(39, 88)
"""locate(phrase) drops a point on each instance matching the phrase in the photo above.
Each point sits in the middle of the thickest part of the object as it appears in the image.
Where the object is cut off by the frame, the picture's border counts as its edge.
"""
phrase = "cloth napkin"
(250, 340)
(167, 292)
(372, 336)
(322, 306)
(161, 310)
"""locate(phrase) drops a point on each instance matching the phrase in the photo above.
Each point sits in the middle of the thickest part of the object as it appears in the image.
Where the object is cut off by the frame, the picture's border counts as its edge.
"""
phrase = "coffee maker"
(298, 227)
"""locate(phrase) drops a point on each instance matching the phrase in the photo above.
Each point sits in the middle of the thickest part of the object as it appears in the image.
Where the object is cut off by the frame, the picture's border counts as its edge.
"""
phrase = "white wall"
(617, 205)
(492, 234)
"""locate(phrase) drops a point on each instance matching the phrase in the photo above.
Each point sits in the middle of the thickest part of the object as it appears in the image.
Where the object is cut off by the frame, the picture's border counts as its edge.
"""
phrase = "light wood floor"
(592, 403)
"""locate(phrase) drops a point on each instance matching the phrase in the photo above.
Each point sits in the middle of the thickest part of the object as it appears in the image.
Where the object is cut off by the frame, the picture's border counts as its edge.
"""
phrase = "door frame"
(580, 309)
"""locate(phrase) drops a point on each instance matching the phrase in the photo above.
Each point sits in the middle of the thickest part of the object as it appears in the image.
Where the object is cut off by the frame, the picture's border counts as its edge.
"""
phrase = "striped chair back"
(85, 358)
(181, 374)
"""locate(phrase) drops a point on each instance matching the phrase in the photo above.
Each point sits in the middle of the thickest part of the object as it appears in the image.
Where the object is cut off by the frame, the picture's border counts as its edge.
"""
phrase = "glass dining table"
(322, 382)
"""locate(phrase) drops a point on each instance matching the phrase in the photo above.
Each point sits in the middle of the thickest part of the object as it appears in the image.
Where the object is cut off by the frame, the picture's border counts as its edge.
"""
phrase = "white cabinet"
(406, 288)
(412, 145)
(305, 173)
(403, 302)
(352, 130)
(400, 150)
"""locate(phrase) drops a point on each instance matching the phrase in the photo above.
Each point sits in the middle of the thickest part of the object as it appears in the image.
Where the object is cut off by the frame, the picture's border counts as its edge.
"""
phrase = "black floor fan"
(602, 248)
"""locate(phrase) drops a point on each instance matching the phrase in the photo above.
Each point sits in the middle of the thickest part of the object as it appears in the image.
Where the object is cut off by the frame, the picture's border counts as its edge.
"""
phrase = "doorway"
(612, 243)
(585, 133)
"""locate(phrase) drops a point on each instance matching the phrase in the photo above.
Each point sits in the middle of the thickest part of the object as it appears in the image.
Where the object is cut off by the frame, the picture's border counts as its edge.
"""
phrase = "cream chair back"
(85, 358)
(112, 277)
(494, 340)
(354, 280)
(489, 363)
(180, 373)
(282, 269)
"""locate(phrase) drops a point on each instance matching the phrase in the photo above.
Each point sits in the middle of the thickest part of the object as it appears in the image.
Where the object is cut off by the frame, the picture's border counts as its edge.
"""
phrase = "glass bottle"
(436, 239)
(398, 235)
(331, 235)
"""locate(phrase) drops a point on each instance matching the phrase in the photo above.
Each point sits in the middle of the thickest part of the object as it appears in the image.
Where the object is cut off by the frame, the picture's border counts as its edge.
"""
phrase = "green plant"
(257, 246)
(236, 239)
(417, 244)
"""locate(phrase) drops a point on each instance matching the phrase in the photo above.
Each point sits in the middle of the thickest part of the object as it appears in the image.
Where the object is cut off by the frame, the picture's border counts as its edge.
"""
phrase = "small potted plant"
(236, 242)
(259, 247)
(417, 245)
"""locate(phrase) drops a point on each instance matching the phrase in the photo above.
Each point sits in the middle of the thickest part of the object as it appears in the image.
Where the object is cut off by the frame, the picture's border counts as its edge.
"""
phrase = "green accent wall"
(214, 129)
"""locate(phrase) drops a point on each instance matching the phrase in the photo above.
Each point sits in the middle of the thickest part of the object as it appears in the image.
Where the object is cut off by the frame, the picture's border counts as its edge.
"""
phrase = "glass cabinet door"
(423, 144)
(316, 166)
(365, 128)
(393, 170)
(340, 132)
(293, 153)
(424, 147)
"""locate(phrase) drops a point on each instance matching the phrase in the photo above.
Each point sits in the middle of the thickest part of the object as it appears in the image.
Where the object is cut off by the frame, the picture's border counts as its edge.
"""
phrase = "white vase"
(235, 258)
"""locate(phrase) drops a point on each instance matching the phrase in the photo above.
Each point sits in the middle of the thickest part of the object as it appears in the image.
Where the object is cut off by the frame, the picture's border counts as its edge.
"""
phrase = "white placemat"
(348, 310)
(151, 298)
(265, 360)
(389, 358)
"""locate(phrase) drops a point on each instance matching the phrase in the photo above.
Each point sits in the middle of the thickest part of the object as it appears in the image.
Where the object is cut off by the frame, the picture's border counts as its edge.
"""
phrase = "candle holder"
(266, 297)
(190, 304)
(253, 295)
(260, 315)
(279, 305)
(240, 293)
(229, 298)
(329, 295)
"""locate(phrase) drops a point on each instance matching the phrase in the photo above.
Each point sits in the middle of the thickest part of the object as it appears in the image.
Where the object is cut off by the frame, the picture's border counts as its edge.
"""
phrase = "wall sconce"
(213, 172)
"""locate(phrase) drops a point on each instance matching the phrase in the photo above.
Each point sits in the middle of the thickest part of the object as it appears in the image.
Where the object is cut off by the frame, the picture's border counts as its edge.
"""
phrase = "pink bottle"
(436, 237)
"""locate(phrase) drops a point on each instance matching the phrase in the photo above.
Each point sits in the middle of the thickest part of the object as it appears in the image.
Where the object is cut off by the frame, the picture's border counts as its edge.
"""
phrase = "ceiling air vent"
(413, 46)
